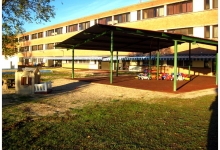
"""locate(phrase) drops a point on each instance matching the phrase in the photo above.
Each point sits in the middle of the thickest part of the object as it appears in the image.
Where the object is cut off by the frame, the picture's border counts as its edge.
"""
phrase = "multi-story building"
(197, 18)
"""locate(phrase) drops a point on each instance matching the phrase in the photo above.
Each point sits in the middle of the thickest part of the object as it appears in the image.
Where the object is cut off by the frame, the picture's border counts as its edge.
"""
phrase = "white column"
(165, 10)
(44, 33)
(64, 29)
(211, 4)
(92, 22)
(141, 14)
(44, 46)
(133, 16)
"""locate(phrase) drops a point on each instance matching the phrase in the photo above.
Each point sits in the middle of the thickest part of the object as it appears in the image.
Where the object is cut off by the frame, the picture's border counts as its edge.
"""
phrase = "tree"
(15, 13)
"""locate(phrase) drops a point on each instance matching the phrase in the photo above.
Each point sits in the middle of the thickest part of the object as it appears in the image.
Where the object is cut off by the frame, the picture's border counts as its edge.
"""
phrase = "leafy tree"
(15, 13)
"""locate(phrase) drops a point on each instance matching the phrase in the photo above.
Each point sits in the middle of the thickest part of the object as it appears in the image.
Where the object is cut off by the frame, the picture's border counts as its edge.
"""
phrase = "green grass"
(164, 124)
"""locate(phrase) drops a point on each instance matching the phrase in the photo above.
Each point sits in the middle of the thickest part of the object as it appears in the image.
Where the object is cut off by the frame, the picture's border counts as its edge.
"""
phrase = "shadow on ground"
(10, 98)
(212, 143)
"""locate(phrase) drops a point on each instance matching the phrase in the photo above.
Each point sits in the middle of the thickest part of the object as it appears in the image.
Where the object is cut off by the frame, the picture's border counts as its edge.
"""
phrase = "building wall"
(191, 19)
(199, 17)
(196, 19)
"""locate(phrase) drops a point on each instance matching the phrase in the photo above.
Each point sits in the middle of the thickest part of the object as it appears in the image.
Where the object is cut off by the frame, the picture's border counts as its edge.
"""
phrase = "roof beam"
(199, 40)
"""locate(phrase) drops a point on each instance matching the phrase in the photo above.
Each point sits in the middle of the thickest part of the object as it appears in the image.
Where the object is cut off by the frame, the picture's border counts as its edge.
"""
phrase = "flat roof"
(98, 37)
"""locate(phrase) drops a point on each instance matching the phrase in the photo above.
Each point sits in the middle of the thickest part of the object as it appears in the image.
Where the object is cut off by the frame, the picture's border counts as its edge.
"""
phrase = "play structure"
(149, 75)
(28, 81)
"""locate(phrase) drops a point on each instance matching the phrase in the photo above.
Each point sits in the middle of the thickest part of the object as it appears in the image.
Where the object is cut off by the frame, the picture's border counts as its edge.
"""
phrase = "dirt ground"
(76, 93)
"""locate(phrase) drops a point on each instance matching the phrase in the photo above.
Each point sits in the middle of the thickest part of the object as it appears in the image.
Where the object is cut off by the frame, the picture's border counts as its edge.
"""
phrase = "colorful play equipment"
(162, 76)
(145, 76)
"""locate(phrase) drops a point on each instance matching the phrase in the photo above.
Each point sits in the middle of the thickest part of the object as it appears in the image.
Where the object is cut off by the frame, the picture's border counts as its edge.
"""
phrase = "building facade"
(197, 18)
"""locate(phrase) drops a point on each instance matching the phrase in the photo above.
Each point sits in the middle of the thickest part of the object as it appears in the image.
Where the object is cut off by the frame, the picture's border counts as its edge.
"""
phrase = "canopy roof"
(98, 37)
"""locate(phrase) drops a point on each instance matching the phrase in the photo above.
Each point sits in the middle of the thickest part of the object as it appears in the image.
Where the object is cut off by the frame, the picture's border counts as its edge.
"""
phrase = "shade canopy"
(98, 37)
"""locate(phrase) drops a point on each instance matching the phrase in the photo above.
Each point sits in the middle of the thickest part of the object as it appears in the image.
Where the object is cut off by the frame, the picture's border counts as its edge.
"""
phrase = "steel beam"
(117, 64)
(158, 55)
(189, 59)
(111, 63)
(216, 65)
(175, 65)
(73, 63)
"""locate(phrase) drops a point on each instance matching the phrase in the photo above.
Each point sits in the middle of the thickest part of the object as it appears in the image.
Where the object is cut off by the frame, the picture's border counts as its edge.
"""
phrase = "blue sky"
(70, 10)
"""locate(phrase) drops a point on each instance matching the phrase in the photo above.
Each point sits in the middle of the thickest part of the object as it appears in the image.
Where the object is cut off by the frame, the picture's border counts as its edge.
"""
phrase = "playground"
(196, 83)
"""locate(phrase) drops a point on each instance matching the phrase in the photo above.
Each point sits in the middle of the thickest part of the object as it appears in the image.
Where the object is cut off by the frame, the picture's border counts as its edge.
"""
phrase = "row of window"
(207, 31)
(38, 47)
(207, 4)
(189, 31)
(185, 31)
(175, 8)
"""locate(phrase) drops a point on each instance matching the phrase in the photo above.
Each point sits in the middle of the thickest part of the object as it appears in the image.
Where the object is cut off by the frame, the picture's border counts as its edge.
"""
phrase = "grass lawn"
(164, 124)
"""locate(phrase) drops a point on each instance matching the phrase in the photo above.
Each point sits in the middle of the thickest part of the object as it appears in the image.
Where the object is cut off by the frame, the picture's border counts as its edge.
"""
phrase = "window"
(59, 30)
(72, 28)
(105, 20)
(207, 31)
(24, 49)
(138, 15)
(15, 50)
(34, 36)
(153, 12)
(159, 11)
(84, 25)
(186, 31)
(122, 17)
(40, 35)
(21, 49)
(49, 32)
(170, 62)
(84, 61)
(180, 63)
(215, 31)
(21, 39)
(182, 7)
(96, 21)
(50, 46)
(206, 64)
(188, 63)
(40, 60)
(34, 47)
(56, 44)
(215, 3)
(40, 47)
(24, 38)
(206, 4)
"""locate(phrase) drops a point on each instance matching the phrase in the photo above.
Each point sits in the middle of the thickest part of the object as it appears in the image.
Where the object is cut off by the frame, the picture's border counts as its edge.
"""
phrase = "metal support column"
(216, 66)
(158, 55)
(117, 64)
(73, 63)
(175, 65)
(149, 66)
(111, 65)
(189, 59)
